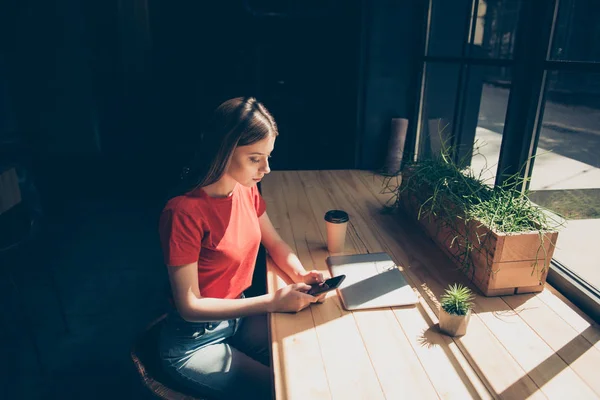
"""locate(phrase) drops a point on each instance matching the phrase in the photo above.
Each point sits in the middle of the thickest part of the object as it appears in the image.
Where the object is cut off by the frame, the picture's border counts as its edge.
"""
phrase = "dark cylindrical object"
(393, 161)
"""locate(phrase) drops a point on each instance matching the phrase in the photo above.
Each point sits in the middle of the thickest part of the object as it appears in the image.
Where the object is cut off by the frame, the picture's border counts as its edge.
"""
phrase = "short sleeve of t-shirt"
(180, 236)
(259, 202)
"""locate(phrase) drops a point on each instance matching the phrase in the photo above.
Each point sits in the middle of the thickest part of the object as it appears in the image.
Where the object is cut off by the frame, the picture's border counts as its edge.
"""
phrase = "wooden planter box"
(501, 263)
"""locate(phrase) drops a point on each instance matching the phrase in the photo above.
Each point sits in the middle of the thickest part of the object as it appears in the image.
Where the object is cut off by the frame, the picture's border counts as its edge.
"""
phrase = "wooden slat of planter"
(485, 241)
(516, 274)
(529, 289)
(507, 247)
(528, 246)
(500, 292)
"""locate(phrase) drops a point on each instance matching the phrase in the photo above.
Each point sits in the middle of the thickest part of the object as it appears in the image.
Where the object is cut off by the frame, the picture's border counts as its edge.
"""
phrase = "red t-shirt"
(221, 234)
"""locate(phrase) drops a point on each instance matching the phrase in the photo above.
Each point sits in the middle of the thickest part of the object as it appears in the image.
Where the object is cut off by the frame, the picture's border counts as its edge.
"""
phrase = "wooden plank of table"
(383, 337)
(296, 356)
(565, 341)
(382, 187)
(347, 364)
(429, 269)
(329, 196)
(555, 377)
(445, 365)
(572, 315)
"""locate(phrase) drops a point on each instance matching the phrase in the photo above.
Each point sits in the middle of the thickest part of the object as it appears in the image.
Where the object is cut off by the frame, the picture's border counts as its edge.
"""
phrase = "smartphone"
(323, 287)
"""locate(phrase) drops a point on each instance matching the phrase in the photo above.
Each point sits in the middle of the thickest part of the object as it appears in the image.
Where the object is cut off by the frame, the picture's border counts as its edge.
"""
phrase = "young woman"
(216, 340)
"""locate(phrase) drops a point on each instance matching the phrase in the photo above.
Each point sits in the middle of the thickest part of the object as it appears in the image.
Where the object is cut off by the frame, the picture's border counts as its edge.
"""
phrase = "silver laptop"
(372, 281)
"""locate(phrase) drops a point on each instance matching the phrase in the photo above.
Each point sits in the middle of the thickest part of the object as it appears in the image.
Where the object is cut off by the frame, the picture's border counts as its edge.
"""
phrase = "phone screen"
(329, 284)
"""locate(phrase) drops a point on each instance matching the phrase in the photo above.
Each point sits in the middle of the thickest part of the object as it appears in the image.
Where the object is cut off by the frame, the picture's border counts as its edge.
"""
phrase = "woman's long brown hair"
(241, 121)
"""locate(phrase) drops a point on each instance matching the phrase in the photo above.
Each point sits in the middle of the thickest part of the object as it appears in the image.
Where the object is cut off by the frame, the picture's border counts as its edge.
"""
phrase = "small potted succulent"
(455, 310)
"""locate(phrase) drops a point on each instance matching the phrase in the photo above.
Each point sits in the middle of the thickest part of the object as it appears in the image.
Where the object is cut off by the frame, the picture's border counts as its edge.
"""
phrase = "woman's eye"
(255, 160)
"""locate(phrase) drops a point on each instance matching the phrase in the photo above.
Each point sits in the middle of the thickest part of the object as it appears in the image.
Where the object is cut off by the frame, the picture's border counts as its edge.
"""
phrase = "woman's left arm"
(283, 255)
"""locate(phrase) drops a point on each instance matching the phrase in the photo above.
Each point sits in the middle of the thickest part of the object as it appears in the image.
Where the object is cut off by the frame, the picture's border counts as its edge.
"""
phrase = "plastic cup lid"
(336, 216)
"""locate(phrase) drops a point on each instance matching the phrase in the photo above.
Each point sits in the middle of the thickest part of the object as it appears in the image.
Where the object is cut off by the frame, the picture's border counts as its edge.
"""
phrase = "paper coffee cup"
(337, 224)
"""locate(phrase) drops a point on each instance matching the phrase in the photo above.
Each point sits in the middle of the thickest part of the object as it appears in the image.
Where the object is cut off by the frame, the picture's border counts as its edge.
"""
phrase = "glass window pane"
(486, 101)
(577, 31)
(438, 108)
(495, 28)
(566, 172)
(447, 32)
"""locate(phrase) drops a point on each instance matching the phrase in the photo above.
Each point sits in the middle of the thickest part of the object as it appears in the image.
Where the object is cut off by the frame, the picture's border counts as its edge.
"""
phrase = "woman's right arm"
(195, 308)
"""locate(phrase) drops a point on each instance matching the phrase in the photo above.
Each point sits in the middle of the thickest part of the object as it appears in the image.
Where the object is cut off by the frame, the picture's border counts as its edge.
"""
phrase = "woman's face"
(250, 163)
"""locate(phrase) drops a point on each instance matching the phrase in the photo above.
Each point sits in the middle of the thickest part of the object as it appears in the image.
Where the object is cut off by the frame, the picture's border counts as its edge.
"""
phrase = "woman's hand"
(292, 298)
(311, 277)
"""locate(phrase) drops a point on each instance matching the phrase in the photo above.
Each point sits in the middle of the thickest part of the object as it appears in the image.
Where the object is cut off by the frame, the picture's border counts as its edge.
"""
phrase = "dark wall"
(107, 96)
(393, 37)
(50, 67)
(63, 69)
(110, 94)
(302, 64)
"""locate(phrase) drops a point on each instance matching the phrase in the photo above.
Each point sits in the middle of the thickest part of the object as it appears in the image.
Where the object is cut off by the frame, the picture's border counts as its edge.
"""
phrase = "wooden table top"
(516, 347)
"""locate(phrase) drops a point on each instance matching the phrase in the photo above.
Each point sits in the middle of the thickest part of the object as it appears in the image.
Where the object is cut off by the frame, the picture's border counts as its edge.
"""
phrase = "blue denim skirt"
(180, 339)
(223, 359)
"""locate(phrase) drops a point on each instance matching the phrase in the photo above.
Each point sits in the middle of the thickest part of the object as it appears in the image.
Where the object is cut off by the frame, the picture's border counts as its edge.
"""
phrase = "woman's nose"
(265, 167)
